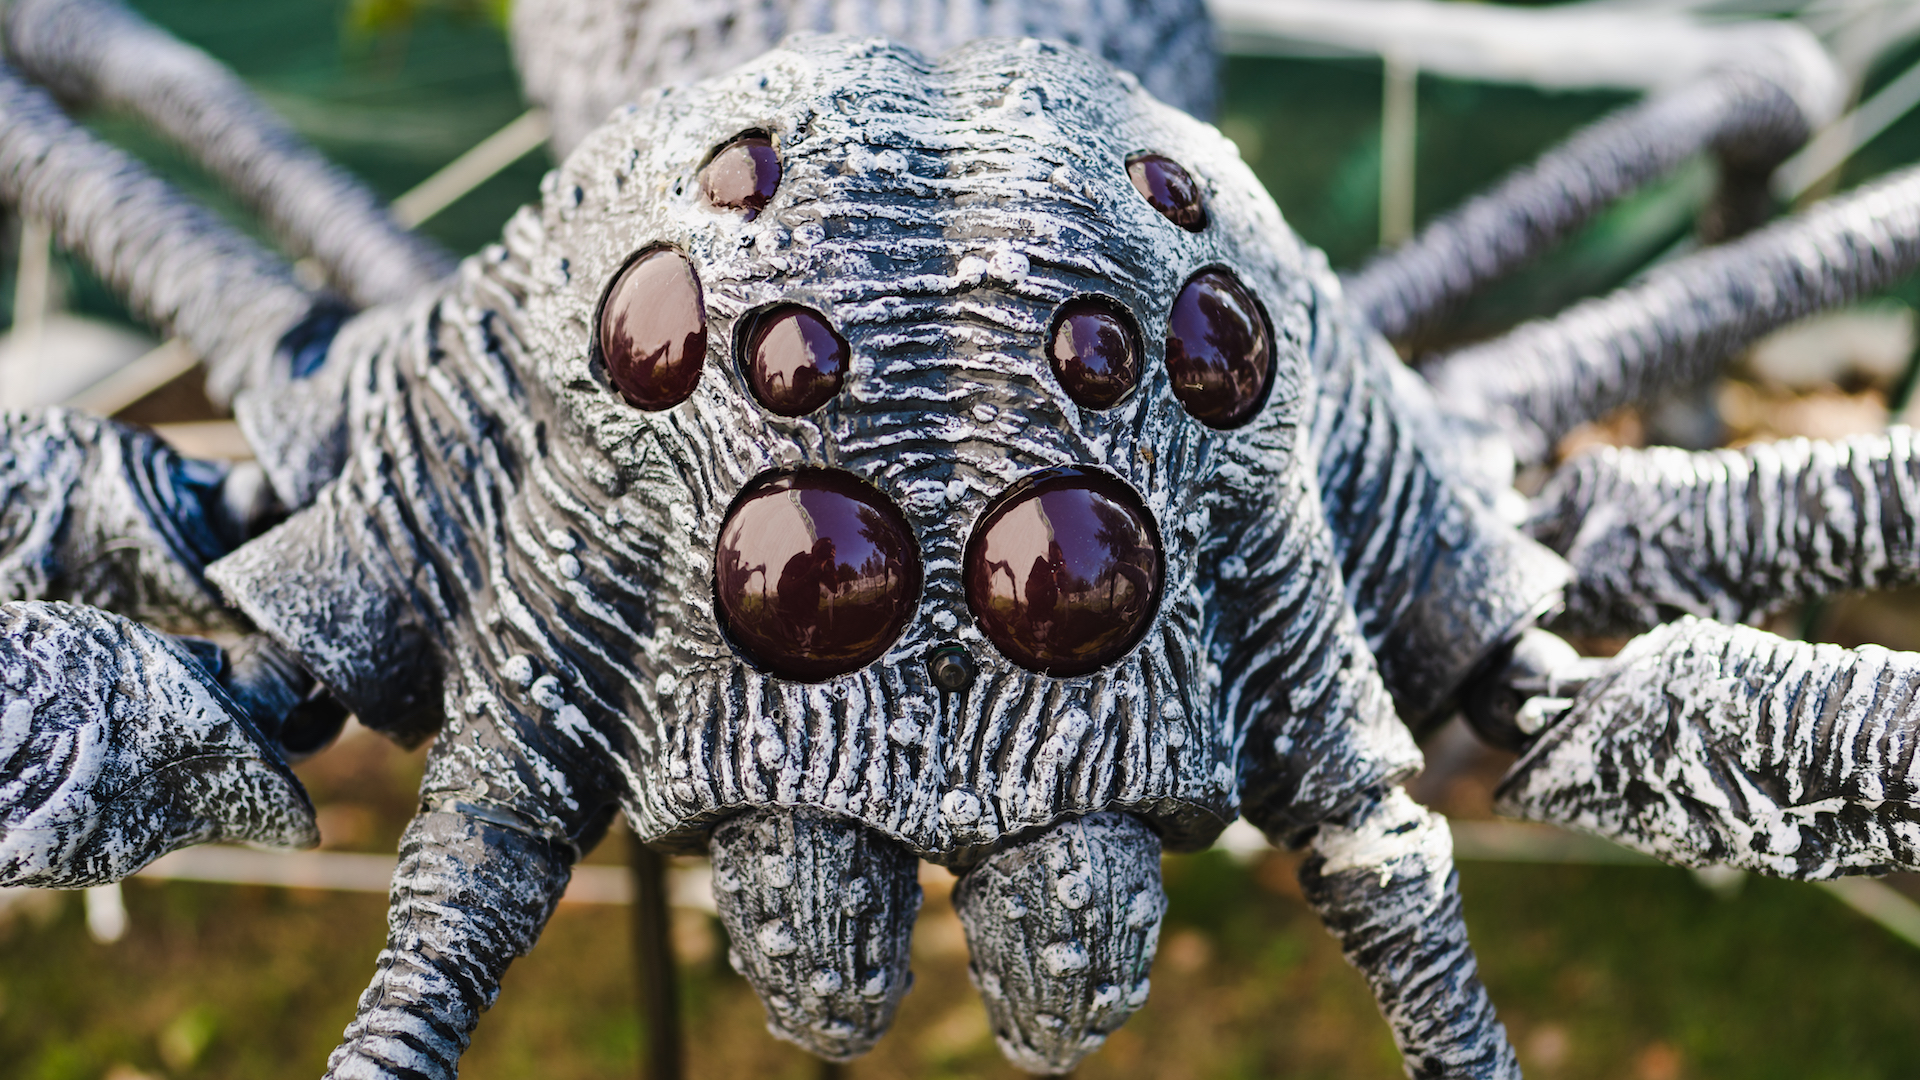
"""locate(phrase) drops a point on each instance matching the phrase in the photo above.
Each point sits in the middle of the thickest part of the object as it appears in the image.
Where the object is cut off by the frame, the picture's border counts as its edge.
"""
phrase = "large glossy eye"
(653, 330)
(795, 362)
(1063, 571)
(1219, 350)
(743, 175)
(1095, 352)
(815, 575)
(1169, 188)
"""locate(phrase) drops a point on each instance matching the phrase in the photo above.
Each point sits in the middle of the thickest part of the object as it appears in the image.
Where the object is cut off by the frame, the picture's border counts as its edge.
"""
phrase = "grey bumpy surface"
(1724, 745)
(1732, 535)
(581, 59)
(96, 52)
(117, 746)
(1741, 115)
(1677, 323)
(176, 264)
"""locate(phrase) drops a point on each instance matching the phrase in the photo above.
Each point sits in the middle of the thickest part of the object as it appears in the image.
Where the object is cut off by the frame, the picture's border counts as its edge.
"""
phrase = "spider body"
(861, 455)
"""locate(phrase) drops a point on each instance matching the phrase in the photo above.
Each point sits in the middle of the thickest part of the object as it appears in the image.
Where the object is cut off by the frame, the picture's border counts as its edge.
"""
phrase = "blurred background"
(1602, 966)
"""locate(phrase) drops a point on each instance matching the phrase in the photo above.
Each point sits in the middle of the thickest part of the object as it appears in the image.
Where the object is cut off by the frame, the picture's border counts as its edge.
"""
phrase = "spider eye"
(1063, 572)
(743, 175)
(795, 361)
(1095, 352)
(653, 330)
(1169, 188)
(815, 575)
(1219, 350)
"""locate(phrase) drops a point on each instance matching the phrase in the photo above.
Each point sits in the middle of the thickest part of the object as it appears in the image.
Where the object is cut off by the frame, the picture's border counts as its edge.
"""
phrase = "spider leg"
(1731, 534)
(1381, 877)
(97, 52)
(177, 265)
(1676, 324)
(1705, 744)
(118, 744)
(1751, 118)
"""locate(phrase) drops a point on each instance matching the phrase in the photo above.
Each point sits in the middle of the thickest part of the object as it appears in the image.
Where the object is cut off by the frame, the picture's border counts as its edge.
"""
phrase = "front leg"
(1381, 877)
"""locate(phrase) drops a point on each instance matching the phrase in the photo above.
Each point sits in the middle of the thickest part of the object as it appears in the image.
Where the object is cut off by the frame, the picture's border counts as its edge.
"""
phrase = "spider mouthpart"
(1095, 352)
(795, 362)
(1063, 928)
(1219, 350)
(815, 574)
(653, 330)
(820, 913)
(1063, 571)
(742, 176)
(1168, 188)
(951, 668)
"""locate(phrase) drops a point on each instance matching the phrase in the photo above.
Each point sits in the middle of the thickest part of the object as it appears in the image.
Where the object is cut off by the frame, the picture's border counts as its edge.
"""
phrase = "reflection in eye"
(1219, 350)
(1169, 188)
(1063, 572)
(1095, 352)
(743, 175)
(815, 574)
(795, 361)
(653, 330)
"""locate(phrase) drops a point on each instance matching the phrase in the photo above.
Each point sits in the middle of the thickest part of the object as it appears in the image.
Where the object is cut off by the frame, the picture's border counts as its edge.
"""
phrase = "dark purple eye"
(815, 575)
(653, 330)
(1063, 571)
(1219, 350)
(795, 362)
(1169, 188)
(1095, 352)
(743, 175)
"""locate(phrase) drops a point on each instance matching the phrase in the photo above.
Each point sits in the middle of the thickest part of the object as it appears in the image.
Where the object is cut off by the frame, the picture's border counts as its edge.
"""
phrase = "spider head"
(919, 404)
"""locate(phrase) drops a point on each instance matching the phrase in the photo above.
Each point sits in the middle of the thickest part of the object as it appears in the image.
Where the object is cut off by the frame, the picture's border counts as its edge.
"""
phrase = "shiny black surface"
(1219, 350)
(742, 176)
(795, 362)
(653, 330)
(1170, 189)
(1095, 352)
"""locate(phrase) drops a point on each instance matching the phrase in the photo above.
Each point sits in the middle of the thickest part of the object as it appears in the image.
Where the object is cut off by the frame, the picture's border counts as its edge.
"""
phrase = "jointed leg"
(98, 52)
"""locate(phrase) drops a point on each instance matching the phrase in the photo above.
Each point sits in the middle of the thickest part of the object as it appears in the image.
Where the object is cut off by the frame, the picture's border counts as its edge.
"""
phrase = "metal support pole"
(653, 942)
(1399, 119)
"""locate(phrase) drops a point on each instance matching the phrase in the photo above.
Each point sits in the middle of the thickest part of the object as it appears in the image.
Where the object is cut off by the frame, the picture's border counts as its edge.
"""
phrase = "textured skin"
(105, 514)
(1732, 535)
(1744, 117)
(1381, 877)
(820, 914)
(1712, 745)
(174, 263)
(1678, 322)
(581, 59)
(1063, 928)
(96, 52)
(117, 746)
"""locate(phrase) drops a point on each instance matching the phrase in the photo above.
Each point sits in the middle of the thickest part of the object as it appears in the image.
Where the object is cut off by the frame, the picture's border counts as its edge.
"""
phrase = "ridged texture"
(117, 747)
(1063, 928)
(100, 513)
(1437, 579)
(174, 263)
(1712, 745)
(820, 913)
(1675, 325)
(581, 59)
(1731, 535)
(1382, 879)
(98, 53)
(470, 894)
(1740, 115)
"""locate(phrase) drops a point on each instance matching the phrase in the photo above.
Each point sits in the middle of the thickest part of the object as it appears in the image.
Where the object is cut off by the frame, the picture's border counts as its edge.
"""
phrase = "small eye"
(653, 330)
(1063, 572)
(815, 575)
(743, 175)
(795, 362)
(1169, 189)
(1219, 350)
(1095, 352)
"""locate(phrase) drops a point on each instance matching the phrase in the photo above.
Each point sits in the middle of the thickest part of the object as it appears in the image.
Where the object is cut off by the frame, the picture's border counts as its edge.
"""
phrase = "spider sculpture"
(945, 450)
